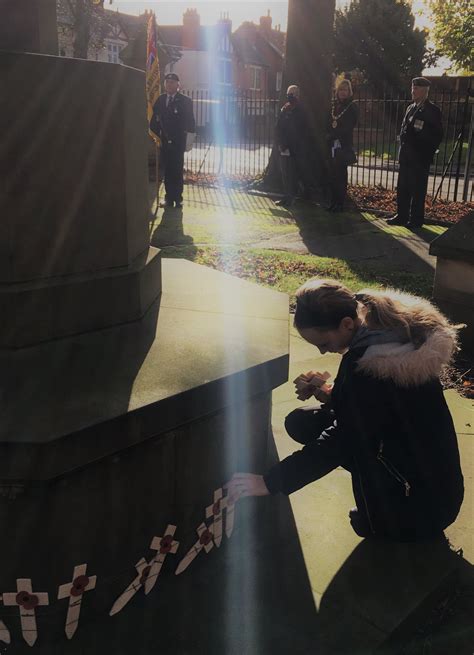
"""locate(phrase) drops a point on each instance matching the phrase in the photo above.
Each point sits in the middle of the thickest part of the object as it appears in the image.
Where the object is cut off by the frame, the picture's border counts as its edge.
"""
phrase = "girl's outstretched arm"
(246, 484)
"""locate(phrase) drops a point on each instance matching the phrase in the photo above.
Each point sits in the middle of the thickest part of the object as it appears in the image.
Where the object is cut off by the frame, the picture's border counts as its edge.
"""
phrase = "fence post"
(467, 169)
(463, 125)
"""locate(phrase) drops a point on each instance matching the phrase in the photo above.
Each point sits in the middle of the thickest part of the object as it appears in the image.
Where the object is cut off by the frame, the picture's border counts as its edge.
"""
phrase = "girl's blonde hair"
(322, 304)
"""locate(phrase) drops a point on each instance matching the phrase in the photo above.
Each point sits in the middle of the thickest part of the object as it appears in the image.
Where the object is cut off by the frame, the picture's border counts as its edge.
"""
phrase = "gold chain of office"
(336, 118)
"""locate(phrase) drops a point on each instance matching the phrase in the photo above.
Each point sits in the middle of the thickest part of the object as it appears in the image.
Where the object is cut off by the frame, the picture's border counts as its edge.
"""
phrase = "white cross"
(4, 631)
(205, 541)
(143, 569)
(214, 511)
(163, 546)
(27, 601)
(74, 591)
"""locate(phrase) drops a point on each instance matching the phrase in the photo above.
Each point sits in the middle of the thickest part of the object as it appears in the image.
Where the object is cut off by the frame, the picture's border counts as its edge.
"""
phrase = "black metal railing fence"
(235, 135)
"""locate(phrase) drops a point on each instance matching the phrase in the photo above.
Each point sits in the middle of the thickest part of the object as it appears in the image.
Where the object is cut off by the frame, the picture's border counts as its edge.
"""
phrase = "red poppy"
(26, 600)
(79, 585)
(206, 537)
(166, 543)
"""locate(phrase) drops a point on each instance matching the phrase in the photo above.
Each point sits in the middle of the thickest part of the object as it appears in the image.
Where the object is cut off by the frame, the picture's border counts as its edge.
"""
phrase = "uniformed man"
(172, 120)
(420, 136)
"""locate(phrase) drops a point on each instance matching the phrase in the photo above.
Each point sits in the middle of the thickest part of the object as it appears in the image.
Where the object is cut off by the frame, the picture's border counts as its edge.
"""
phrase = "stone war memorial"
(132, 388)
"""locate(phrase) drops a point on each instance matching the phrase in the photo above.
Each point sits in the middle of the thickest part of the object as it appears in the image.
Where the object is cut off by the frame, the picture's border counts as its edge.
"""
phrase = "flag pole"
(158, 181)
(153, 90)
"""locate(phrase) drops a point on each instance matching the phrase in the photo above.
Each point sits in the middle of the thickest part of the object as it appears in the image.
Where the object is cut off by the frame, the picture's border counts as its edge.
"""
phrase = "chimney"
(191, 29)
(266, 23)
(225, 23)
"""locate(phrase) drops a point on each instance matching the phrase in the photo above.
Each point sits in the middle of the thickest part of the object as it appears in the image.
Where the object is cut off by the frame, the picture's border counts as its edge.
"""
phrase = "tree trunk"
(309, 64)
(82, 29)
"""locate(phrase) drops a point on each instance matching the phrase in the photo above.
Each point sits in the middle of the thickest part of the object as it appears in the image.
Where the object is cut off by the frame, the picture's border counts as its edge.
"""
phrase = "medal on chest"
(334, 124)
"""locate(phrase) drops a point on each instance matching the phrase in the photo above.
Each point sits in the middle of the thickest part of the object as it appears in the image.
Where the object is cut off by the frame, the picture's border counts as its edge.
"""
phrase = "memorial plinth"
(110, 436)
(29, 26)
(126, 402)
(74, 247)
(454, 278)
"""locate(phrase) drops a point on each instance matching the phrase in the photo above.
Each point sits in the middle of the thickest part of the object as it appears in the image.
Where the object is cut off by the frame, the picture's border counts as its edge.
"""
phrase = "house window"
(255, 78)
(225, 71)
(279, 76)
(113, 53)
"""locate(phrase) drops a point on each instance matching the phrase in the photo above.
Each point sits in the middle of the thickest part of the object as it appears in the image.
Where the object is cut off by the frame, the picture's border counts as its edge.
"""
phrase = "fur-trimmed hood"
(407, 365)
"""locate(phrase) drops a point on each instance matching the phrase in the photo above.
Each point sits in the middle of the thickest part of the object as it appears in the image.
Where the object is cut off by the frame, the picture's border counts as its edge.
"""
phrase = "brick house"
(259, 57)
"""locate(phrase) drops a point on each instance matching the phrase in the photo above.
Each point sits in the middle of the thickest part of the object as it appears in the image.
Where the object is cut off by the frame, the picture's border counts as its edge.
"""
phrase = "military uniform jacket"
(172, 122)
(421, 133)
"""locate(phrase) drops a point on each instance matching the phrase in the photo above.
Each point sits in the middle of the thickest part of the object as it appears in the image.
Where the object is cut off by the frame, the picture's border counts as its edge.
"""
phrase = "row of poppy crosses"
(147, 574)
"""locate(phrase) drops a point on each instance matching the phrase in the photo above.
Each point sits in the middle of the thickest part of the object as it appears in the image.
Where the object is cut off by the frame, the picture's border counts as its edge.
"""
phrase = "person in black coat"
(385, 419)
(292, 137)
(343, 120)
(420, 136)
(172, 120)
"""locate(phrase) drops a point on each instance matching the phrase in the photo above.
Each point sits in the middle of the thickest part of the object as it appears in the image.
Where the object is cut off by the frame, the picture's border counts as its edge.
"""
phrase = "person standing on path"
(172, 120)
(385, 420)
(343, 120)
(420, 136)
(292, 136)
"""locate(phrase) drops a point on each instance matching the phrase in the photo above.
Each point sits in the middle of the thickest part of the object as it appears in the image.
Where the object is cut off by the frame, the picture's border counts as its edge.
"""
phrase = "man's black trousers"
(171, 168)
(411, 191)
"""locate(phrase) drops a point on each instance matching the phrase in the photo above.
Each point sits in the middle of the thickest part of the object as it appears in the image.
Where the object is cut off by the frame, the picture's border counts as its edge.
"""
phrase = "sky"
(171, 12)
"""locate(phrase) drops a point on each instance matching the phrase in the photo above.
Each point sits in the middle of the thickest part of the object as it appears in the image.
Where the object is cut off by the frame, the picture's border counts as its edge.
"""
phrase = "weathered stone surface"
(29, 26)
(74, 244)
(457, 242)
(454, 278)
(74, 192)
(120, 432)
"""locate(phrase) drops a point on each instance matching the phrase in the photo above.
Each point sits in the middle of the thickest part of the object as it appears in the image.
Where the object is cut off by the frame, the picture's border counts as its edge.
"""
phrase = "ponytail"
(409, 316)
(322, 304)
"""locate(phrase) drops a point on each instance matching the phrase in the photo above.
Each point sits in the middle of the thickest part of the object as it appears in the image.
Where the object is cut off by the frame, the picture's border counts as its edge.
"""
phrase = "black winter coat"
(292, 130)
(171, 123)
(345, 124)
(393, 431)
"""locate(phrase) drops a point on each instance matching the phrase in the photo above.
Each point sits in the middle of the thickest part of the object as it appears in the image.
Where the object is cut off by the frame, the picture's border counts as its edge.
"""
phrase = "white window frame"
(113, 52)
(225, 65)
(253, 72)
(278, 81)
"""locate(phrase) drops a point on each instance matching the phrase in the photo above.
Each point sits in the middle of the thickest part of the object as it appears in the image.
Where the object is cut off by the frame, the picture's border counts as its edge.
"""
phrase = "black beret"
(171, 76)
(420, 81)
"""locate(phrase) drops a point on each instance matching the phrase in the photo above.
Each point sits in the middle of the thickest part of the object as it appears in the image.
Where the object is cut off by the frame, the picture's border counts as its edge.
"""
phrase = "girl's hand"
(245, 484)
(323, 394)
(308, 384)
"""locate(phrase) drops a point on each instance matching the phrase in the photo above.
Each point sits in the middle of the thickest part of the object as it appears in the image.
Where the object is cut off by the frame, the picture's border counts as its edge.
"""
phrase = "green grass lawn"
(286, 271)
(389, 151)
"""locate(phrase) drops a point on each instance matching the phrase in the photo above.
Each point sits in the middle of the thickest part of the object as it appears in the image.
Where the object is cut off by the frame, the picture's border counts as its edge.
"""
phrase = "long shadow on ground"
(169, 231)
(357, 238)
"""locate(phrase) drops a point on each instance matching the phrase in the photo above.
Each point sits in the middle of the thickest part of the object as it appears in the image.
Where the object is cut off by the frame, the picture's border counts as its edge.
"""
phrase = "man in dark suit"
(420, 136)
(172, 120)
